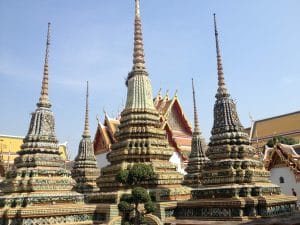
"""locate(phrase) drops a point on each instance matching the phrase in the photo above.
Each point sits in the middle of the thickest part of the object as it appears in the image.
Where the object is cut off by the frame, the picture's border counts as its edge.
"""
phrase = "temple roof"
(282, 155)
(12, 144)
(286, 124)
(164, 106)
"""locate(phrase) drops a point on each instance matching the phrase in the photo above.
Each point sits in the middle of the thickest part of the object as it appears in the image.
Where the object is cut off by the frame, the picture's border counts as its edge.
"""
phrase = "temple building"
(283, 162)
(172, 119)
(224, 180)
(286, 125)
(39, 188)
(235, 185)
(10, 145)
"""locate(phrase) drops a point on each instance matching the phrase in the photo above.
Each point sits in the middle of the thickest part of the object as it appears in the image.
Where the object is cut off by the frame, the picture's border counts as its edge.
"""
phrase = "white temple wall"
(288, 178)
(102, 160)
(175, 158)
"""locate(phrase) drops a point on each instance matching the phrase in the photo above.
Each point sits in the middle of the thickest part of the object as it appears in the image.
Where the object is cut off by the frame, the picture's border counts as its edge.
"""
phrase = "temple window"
(281, 180)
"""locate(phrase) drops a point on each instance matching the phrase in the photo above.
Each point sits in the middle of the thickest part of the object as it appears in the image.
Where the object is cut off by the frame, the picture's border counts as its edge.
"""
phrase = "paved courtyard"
(288, 220)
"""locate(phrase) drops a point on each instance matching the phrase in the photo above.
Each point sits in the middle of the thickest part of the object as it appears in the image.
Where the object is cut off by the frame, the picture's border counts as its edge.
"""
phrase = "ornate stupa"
(39, 189)
(85, 170)
(197, 157)
(140, 139)
(235, 184)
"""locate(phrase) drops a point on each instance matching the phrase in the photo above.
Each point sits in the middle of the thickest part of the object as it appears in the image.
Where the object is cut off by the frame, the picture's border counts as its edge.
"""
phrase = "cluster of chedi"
(224, 180)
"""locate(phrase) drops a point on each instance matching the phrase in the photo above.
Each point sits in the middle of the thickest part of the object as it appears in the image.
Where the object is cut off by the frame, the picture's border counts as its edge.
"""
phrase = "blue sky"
(93, 40)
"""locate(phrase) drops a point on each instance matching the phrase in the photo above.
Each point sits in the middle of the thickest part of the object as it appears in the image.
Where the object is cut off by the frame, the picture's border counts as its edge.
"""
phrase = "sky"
(93, 40)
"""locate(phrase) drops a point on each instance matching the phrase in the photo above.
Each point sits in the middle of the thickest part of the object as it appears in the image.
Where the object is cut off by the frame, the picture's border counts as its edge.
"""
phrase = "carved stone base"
(234, 208)
(159, 194)
(75, 214)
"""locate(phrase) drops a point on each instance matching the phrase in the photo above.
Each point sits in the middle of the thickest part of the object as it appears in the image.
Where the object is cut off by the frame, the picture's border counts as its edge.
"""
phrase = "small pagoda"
(85, 170)
(38, 190)
(235, 184)
(197, 157)
(140, 138)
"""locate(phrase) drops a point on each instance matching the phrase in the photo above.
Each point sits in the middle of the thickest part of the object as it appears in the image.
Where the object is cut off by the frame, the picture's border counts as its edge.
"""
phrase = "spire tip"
(222, 90)
(86, 132)
(138, 53)
(196, 120)
(44, 98)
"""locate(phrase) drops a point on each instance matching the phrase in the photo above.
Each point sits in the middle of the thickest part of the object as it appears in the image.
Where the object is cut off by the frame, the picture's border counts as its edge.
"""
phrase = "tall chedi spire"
(44, 98)
(86, 131)
(140, 138)
(197, 157)
(41, 187)
(139, 95)
(234, 183)
(222, 90)
(227, 119)
(138, 53)
(196, 119)
(85, 170)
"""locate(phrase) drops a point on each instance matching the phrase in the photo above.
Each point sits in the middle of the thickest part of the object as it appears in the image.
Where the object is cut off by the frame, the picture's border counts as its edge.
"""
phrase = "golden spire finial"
(159, 93)
(176, 93)
(44, 98)
(86, 132)
(166, 98)
(104, 111)
(138, 54)
(221, 81)
(196, 120)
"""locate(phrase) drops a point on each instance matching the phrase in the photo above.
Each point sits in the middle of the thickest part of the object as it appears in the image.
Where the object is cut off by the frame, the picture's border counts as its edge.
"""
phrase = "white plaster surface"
(102, 160)
(175, 158)
(289, 180)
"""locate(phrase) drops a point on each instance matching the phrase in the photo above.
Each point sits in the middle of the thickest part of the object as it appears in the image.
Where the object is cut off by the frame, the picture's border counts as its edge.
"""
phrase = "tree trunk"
(137, 215)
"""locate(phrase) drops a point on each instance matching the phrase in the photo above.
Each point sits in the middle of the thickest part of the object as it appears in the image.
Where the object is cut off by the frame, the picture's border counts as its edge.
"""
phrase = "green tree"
(282, 140)
(129, 203)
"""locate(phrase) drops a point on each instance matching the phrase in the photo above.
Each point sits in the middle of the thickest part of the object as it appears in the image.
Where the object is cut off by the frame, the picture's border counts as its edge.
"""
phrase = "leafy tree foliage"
(129, 203)
(282, 140)
(140, 173)
(140, 195)
(149, 207)
(122, 177)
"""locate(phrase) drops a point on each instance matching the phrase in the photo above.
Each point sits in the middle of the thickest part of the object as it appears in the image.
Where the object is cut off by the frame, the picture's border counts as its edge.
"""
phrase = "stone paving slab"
(285, 220)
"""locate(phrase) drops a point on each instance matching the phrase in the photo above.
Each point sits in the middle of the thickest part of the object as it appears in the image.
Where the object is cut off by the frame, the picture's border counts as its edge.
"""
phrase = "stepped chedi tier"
(85, 170)
(197, 157)
(235, 183)
(39, 189)
(140, 138)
